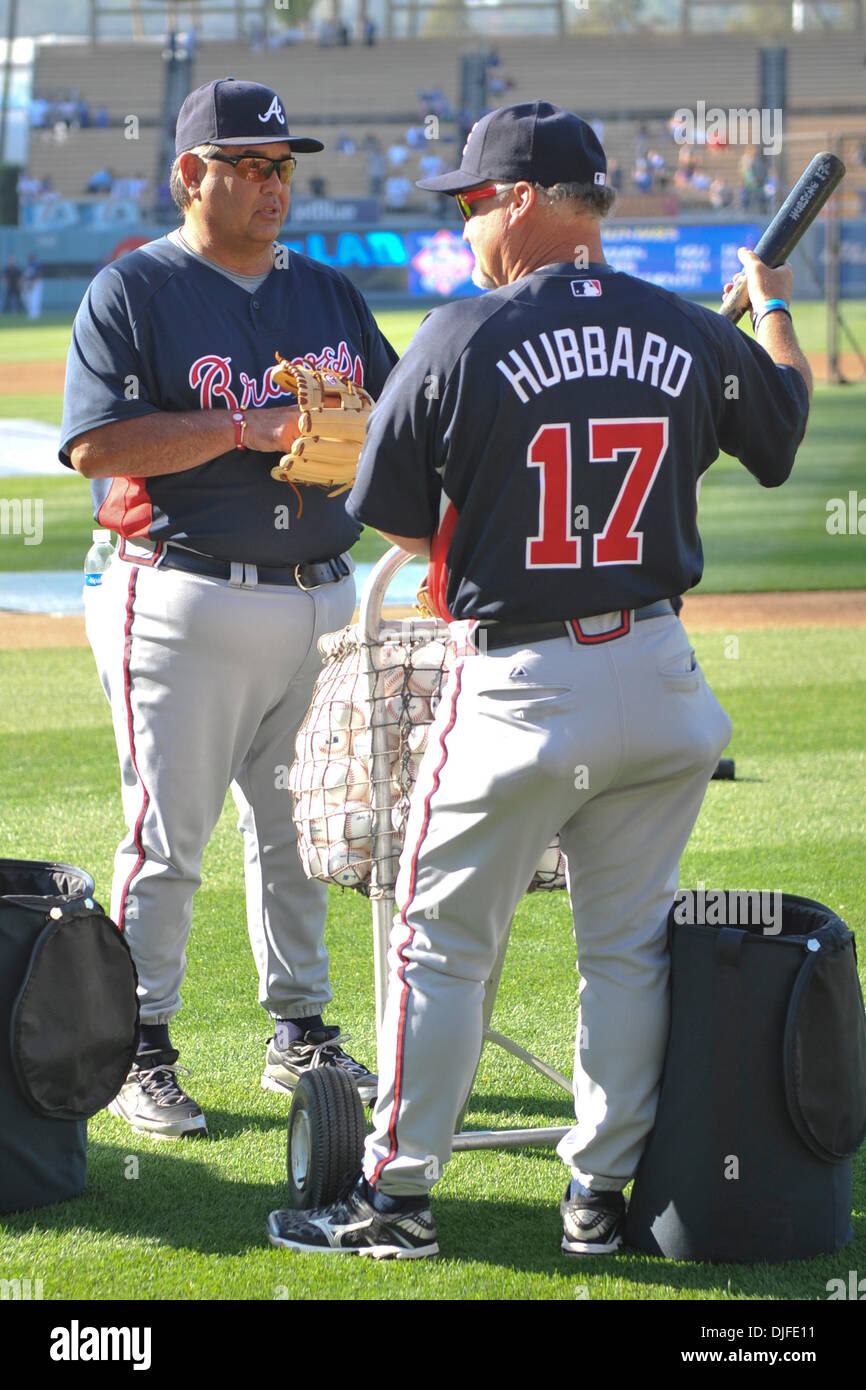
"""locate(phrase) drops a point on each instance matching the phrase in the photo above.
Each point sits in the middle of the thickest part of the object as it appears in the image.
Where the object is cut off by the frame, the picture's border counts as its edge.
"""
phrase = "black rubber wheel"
(726, 771)
(326, 1138)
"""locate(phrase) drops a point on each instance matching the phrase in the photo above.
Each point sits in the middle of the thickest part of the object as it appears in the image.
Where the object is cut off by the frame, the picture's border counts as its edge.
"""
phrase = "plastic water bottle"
(97, 558)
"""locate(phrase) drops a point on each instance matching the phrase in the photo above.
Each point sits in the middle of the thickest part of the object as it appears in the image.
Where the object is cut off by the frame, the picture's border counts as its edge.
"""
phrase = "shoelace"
(322, 1053)
(160, 1083)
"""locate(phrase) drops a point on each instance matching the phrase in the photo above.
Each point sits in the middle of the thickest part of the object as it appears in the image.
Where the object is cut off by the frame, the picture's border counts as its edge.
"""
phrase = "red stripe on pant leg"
(127, 695)
(404, 994)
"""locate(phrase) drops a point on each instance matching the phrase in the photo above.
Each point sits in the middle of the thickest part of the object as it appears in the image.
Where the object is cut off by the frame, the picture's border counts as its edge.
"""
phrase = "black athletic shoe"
(354, 1227)
(151, 1101)
(592, 1225)
(284, 1066)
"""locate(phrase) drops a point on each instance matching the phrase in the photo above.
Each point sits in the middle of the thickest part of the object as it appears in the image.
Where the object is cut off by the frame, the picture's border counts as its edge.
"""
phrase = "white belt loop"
(236, 574)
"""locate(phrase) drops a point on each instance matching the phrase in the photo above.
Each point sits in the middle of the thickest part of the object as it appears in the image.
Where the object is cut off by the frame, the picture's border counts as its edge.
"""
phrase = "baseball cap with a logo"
(230, 112)
(533, 141)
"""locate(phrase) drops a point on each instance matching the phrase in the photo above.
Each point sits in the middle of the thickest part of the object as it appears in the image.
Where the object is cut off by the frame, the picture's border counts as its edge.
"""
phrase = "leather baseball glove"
(332, 426)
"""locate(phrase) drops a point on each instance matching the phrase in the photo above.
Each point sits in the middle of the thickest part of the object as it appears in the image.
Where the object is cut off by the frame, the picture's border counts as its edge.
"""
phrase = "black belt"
(309, 575)
(518, 634)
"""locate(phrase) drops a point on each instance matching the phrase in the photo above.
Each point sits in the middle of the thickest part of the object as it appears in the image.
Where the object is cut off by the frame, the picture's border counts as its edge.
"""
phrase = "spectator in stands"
(12, 281)
(318, 187)
(687, 165)
(721, 194)
(28, 189)
(429, 167)
(614, 173)
(753, 176)
(397, 155)
(641, 175)
(376, 169)
(397, 192)
(132, 188)
(100, 119)
(344, 38)
(100, 182)
(369, 33)
(40, 114)
(33, 286)
(659, 169)
(344, 144)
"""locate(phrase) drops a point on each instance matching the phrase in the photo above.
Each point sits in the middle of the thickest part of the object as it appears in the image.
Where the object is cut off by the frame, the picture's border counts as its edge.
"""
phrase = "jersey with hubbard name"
(550, 436)
(158, 331)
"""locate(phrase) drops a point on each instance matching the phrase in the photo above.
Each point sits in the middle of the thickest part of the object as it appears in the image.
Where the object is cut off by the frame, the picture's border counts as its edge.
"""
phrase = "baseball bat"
(799, 210)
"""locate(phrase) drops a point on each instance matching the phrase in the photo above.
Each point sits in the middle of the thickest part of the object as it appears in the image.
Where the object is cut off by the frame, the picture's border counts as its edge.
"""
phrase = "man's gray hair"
(177, 187)
(581, 197)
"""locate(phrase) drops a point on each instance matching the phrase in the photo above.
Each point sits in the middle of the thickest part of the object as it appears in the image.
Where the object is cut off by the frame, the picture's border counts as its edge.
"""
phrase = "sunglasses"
(465, 200)
(256, 169)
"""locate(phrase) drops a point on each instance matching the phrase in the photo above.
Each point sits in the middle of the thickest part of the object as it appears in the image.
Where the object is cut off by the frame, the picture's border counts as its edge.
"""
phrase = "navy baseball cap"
(230, 112)
(533, 141)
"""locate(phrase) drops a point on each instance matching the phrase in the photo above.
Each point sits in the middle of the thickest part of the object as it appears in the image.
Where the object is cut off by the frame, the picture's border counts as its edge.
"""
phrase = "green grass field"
(189, 1224)
(754, 538)
(186, 1221)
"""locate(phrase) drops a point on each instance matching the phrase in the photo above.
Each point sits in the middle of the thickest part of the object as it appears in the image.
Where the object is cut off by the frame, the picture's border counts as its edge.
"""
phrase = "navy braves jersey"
(158, 331)
(549, 436)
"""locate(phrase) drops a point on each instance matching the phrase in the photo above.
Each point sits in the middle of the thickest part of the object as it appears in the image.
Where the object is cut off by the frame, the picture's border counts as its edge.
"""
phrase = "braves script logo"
(274, 110)
(212, 377)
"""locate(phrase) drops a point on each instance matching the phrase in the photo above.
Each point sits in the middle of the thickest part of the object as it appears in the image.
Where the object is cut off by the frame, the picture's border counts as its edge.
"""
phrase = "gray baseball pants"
(613, 746)
(208, 681)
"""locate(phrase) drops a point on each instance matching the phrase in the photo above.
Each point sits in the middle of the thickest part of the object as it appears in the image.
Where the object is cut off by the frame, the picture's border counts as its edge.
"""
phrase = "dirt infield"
(702, 612)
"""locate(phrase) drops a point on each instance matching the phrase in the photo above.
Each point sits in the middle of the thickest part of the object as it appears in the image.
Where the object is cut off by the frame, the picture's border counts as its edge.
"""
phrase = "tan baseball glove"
(332, 426)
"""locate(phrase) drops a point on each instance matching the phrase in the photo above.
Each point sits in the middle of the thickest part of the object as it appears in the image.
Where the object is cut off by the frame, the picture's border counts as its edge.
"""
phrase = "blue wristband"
(770, 306)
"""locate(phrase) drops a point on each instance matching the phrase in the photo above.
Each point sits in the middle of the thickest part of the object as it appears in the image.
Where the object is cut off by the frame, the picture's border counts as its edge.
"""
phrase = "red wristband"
(240, 424)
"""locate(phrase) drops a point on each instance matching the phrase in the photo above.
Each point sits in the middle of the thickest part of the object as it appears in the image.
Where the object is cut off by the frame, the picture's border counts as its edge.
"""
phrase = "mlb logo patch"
(586, 289)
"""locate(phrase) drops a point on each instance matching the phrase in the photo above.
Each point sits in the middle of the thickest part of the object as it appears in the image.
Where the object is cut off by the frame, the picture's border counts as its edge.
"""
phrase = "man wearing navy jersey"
(543, 444)
(205, 626)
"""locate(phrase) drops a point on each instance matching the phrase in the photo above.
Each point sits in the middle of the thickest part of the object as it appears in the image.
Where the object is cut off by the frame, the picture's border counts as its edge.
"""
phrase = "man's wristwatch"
(240, 424)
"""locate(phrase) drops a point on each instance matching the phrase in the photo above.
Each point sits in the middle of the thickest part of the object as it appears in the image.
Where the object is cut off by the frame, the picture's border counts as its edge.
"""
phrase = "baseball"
(417, 737)
(311, 858)
(414, 708)
(425, 680)
(316, 830)
(345, 779)
(303, 776)
(348, 868)
(329, 743)
(389, 654)
(343, 714)
(358, 828)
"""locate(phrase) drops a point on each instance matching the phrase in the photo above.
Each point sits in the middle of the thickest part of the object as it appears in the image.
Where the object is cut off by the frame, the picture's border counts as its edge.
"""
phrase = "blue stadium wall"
(422, 263)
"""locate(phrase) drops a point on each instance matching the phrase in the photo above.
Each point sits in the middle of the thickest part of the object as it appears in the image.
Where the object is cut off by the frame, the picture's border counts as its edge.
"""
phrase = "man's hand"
(763, 282)
(174, 441)
(272, 430)
(775, 332)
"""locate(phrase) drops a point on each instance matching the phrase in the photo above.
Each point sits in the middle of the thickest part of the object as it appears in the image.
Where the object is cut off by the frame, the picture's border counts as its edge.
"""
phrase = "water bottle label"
(92, 580)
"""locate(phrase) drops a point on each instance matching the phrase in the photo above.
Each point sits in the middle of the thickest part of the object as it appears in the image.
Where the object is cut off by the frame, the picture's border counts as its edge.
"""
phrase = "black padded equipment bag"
(68, 1027)
(763, 1097)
